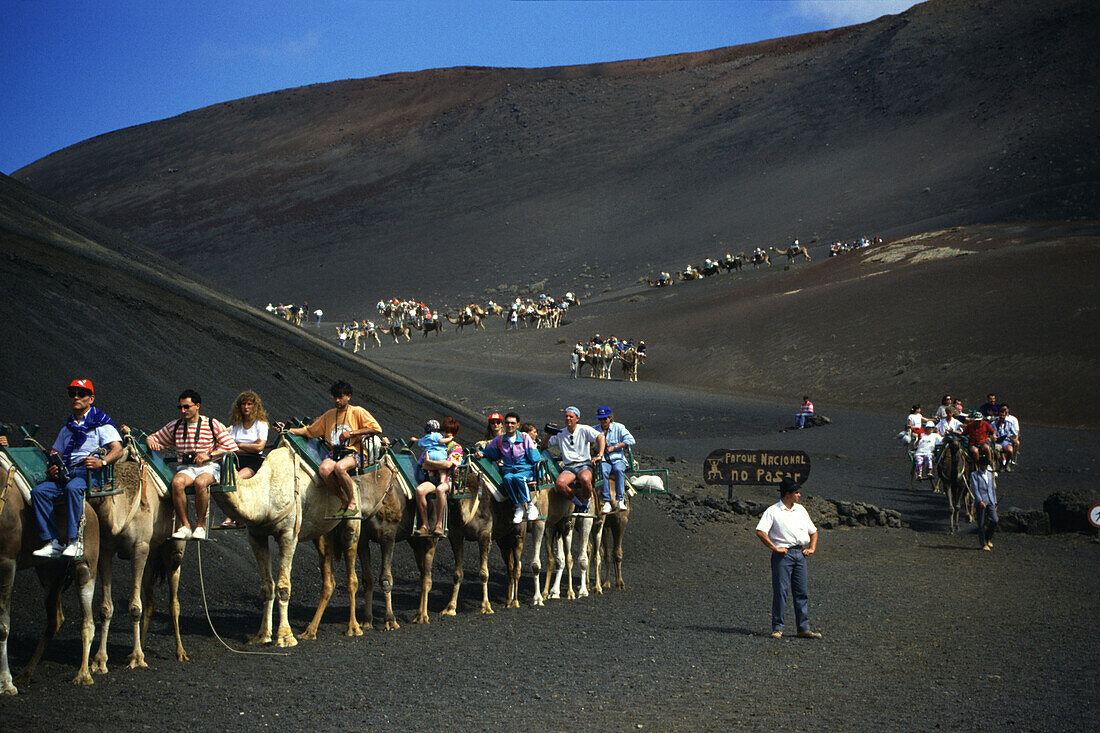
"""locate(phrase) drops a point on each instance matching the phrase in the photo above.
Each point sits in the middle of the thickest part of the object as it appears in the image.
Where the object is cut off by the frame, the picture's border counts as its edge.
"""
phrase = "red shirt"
(978, 432)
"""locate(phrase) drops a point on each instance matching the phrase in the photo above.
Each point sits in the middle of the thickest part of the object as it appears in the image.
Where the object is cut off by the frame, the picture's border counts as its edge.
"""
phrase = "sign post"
(755, 467)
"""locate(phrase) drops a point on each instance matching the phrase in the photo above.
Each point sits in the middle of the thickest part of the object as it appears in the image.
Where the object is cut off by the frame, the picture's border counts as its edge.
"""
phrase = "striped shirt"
(806, 408)
(210, 435)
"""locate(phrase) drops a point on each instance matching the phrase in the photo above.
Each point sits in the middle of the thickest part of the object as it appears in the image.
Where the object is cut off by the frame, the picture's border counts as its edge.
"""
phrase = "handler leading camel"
(342, 428)
(575, 443)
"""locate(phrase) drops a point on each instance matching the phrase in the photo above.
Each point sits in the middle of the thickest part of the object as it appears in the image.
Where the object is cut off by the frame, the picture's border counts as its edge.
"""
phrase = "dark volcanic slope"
(951, 113)
(81, 300)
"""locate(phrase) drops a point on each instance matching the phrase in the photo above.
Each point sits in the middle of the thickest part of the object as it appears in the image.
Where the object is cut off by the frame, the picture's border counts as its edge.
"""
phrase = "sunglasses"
(186, 407)
(78, 392)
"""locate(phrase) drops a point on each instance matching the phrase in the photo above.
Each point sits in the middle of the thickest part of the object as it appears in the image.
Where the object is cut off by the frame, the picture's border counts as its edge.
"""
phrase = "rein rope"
(206, 609)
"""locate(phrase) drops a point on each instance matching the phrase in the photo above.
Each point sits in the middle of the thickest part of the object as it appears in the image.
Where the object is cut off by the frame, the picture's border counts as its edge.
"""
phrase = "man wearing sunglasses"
(575, 443)
(617, 438)
(88, 442)
(199, 442)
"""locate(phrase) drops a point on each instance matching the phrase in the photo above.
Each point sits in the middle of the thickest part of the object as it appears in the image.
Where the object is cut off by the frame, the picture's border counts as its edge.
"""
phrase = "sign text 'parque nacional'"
(745, 467)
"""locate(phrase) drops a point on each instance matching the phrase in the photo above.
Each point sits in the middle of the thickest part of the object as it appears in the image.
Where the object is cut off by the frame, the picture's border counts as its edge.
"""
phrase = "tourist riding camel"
(342, 428)
(1007, 428)
(441, 455)
(614, 465)
(199, 442)
(575, 443)
(88, 442)
(519, 456)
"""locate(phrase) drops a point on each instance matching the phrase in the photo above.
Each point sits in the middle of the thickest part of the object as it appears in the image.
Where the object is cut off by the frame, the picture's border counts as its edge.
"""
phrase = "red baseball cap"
(496, 416)
(82, 384)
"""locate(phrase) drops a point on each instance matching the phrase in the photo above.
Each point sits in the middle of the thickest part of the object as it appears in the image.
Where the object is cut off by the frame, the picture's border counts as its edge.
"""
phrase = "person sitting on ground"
(925, 448)
(437, 466)
(575, 444)
(949, 425)
(1007, 428)
(434, 447)
(248, 427)
(199, 443)
(983, 487)
(805, 410)
(343, 428)
(990, 409)
(914, 424)
(614, 466)
(519, 456)
(88, 442)
(978, 436)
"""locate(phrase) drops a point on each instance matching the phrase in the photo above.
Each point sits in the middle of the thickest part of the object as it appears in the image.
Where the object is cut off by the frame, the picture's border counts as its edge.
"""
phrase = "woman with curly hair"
(248, 426)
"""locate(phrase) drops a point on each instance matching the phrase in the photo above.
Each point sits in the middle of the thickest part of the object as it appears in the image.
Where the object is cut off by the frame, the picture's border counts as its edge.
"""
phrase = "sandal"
(228, 524)
(438, 532)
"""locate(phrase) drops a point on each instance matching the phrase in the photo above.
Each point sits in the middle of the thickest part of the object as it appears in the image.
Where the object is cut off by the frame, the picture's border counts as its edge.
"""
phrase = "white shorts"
(214, 468)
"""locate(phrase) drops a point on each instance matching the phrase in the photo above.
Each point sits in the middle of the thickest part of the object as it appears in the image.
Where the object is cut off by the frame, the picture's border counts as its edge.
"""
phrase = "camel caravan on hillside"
(759, 257)
(599, 356)
(102, 492)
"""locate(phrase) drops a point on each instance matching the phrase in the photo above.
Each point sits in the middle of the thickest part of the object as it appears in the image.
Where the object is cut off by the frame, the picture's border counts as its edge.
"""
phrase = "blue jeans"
(789, 573)
(800, 419)
(515, 483)
(615, 468)
(47, 494)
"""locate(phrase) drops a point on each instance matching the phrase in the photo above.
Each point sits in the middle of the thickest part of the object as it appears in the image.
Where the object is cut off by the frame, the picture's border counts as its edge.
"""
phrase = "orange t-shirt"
(329, 426)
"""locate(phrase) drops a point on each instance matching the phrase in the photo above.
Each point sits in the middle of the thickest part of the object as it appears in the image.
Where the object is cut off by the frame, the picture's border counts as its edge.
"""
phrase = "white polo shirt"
(575, 447)
(787, 527)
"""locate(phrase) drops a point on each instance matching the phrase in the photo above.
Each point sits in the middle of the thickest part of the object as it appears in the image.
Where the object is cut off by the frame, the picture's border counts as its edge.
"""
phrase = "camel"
(397, 331)
(137, 525)
(711, 267)
(560, 527)
(388, 516)
(630, 363)
(660, 282)
(436, 326)
(760, 257)
(689, 274)
(952, 472)
(792, 254)
(15, 555)
(731, 263)
(465, 319)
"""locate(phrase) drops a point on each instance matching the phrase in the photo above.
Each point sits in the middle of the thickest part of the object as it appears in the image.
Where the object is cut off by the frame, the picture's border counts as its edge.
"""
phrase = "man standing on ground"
(575, 443)
(88, 442)
(199, 443)
(984, 489)
(342, 428)
(785, 528)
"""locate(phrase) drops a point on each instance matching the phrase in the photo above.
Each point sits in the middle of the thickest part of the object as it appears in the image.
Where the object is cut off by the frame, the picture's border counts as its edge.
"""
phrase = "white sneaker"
(199, 534)
(532, 512)
(518, 516)
(621, 505)
(71, 550)
(183, 533)
(605, 508)
(53, 548)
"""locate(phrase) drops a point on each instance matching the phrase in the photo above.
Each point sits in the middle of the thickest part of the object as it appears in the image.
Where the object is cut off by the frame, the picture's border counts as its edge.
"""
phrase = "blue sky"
(73, 69)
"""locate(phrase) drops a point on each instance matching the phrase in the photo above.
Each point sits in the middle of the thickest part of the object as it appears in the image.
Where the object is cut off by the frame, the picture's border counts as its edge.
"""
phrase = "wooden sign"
(759, 467)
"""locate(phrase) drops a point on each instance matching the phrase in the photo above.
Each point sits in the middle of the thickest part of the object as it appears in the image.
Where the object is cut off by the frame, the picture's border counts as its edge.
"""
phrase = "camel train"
(286, 501)
(730, 263)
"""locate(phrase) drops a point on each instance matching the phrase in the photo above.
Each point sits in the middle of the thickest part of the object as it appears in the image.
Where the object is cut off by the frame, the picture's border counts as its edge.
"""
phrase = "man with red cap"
(88, 442)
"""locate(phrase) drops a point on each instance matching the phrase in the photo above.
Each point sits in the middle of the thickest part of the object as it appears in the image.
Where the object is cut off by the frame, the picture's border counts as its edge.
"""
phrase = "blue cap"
(604, 411)
(574, 410)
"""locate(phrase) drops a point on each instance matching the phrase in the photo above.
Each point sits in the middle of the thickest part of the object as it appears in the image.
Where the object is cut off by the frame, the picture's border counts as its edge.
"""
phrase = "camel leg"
(7, 579)
(515, 572)
(351, 550)
(537, 533)
(288, 542)
(106, 611)
(557, 562)
(567, 546)
(328, 584)
(386, 581)
(425, 557)
(54, 619)
(140, 558)
(484, 547)
(583, 532)
(617, 555)
(368, 583)
(85, 574)
(458, 551)
(174, 604)
(262, 551)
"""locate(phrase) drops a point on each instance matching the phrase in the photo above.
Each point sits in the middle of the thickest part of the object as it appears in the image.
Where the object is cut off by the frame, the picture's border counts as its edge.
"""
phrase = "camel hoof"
(257, 639)
(620, 585)
(392, 625)
(7, 688)
(286, 640)
(181, 656)
(513, 604)
(137, 660)
(570, 596)
(554, 596)
(422, 618)
(536, 602)
(448, 611)
(486, 608)
(582, 593)
(99, 666)
(83, 678)
(353, 630)
(309, 634)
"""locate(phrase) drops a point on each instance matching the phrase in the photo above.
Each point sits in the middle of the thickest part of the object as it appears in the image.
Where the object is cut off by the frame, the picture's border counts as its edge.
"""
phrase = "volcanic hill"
(449, 183)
